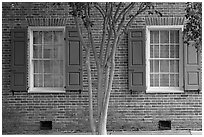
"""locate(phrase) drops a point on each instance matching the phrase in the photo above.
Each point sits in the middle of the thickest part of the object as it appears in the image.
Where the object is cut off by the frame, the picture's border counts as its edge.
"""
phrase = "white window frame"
(33, 89)
(164, 89)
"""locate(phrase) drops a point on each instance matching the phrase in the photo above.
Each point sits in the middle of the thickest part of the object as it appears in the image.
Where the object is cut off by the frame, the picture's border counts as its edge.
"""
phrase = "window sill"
(48, 90)
(164, 90)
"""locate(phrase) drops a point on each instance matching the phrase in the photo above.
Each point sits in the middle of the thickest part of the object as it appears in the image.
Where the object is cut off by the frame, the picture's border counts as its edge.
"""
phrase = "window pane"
(154, 80)
(48, 51)
(164, 51)
(48, 37)
(156, 51)
(151, 80)
(151, 66)
(174, 66)
(154, 36)
(48, 66)
(38, 80)
(154, 65)
(37, 51)
(48, 80)
(58, 52)
(38, 66)
(164, 80)
(174, 36)
(174, 51)
(177, 51)
(164, 36)
(177, 80)
(58, 81)
(58, 67)
(37, 37)
(164, 66)
(58, 37)
(151, 51)
(151, 37)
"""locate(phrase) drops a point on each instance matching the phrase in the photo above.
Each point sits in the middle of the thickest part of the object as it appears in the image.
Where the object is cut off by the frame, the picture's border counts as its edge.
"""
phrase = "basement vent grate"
(45, 125)
(164, 125)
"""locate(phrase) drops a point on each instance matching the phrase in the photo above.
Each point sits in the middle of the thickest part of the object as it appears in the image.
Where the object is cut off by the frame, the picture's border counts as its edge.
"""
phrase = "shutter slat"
(192, 68)
(74, 77)
(136, 61)
(19, 60)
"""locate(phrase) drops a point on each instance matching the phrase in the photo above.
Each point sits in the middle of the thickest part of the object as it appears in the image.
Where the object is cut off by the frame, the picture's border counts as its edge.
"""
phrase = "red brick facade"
(22, 111)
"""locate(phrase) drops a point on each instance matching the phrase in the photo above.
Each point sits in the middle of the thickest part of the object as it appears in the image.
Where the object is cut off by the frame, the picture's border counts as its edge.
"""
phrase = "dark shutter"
(19, 60)
(74, 77)
(192, 68)
(136, 60)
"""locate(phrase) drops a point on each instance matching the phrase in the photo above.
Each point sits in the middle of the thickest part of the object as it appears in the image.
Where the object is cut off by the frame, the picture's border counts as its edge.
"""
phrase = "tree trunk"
(102, 123)
(91, 118)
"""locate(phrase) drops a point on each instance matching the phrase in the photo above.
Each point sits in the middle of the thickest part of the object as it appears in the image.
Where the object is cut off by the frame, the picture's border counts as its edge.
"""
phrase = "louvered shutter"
(136, 60)
(19, 60)
(74, 77)
(192, 68)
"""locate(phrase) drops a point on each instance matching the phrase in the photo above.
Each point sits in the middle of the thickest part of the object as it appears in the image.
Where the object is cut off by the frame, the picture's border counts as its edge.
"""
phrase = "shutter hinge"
(64, 38)
(131, 91)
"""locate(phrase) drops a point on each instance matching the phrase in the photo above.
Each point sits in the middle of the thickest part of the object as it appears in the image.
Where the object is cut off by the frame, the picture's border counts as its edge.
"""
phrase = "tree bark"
(102, 124)
(91, 118)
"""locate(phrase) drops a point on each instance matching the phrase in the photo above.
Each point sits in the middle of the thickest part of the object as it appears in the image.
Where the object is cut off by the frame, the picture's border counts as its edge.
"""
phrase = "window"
(164, 59)
(47, 59)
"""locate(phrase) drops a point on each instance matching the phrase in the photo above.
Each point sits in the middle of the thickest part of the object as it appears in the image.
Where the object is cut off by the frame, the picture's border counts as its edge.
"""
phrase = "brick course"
(22, 112)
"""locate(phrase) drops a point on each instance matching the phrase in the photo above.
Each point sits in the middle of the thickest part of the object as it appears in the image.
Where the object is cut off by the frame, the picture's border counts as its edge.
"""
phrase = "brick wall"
(22, 111)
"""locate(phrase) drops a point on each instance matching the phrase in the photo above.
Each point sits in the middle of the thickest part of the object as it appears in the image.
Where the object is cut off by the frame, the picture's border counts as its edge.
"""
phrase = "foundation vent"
(165, 125)
(45, 125)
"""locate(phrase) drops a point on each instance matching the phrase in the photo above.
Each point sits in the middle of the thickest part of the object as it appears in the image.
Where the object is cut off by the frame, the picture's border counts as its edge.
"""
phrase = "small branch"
(80, 32)
(107, 48)
(100, 9)
(141, 9)
(103, 39)
(123, 11)
(130, 7)
(117, 10)
(90, 36)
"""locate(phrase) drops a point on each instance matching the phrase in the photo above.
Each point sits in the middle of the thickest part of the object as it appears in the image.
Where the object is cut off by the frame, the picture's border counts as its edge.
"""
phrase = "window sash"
(57, 56)
(168, 58)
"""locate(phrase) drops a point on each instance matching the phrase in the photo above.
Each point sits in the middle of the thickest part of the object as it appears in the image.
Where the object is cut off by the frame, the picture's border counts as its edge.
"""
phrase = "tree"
(193, 26)
(116, 19)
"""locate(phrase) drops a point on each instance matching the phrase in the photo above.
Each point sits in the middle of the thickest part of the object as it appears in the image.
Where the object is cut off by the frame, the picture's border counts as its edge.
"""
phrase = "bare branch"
(117, 10)
(142, 8)
(80, 32)
(130, 7)
(123, 11)
(107, 48)
(90, 36)
(103, 39)
(100, 9)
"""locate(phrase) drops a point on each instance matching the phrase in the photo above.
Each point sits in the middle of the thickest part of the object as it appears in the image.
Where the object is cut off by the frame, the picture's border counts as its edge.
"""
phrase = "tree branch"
(80, 33)
(117, 10)
(103, 38)
(123, 11)
(99, 8)
(129, 8)
(90, 36)
(142, 8)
